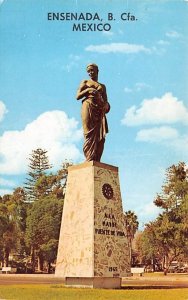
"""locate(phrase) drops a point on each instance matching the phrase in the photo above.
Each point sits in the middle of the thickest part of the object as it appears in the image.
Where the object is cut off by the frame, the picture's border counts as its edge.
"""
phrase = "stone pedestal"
(93, 249)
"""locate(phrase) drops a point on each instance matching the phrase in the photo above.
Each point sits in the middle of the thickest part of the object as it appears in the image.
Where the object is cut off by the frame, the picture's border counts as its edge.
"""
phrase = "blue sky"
(144, 66)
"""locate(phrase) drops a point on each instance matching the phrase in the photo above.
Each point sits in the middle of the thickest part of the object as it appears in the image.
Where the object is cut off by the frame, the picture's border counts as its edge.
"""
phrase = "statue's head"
(93, 70)
(92, 65)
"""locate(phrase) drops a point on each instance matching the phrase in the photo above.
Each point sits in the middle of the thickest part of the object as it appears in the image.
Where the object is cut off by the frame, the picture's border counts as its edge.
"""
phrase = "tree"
(173, 221)
(38, 165)
(43, 226)
(131, 225)
(33, 227)
(175, 188)
(44, 218)
(3, 228)
(12, 224)
(167, 236)
(49, 251)
(148, 247)
(20, 208)
(53, 184)
(8, 232)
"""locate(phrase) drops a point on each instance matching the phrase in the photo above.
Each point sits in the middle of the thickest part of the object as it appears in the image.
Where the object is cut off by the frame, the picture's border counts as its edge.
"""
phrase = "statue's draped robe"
(94, 124)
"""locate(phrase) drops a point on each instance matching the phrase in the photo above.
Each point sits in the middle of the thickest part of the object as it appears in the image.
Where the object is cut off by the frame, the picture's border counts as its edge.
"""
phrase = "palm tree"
(131, 224)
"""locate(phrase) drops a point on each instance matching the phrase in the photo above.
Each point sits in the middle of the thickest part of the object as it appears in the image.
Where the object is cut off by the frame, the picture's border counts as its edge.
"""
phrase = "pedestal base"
(93, 282)
(93, 247)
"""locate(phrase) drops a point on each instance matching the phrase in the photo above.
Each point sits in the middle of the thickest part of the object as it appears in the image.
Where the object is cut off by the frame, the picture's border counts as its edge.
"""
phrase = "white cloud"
(117, 48)
(167, 136)
(165, 110)
(157, 134)
(148, 210)
(52, 130)
(173, 34)
(3, 110)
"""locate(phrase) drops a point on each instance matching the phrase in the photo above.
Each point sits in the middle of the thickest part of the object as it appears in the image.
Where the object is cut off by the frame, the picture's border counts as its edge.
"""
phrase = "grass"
(59, 292)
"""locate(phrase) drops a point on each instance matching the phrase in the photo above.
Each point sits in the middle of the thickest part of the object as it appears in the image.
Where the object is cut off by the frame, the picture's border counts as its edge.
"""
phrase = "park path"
(169, 281)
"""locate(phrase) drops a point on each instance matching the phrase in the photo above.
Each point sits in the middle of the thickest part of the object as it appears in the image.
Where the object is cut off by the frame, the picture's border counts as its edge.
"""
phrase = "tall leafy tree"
(131, 225)
(12, 218)
(55, 184)
(19, 208)
(3, 229)
(38, 165)
(44, 218)
(168, 234)
(152, 244)
(174, 220)
(43, 226)
(175, 188)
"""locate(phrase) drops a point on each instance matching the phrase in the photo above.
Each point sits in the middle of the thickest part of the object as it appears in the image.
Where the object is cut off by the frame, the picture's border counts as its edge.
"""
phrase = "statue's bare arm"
(84, 91)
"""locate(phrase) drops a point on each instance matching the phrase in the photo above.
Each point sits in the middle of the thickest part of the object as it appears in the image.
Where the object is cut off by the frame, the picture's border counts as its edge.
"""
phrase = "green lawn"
(57, 292)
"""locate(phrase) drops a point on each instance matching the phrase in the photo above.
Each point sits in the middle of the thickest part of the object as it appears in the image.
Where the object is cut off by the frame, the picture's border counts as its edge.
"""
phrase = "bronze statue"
(94, 107)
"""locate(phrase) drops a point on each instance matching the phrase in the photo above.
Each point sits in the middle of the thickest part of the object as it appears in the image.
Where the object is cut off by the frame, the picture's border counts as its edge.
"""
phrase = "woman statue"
(94, 107)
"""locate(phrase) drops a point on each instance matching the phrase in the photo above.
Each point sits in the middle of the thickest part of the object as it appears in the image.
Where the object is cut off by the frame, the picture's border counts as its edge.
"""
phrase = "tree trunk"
(49, 267)
(130, 249)
(166, 264)
(153, 264)
(40, 262)
(6, 256)
(33, 259)
(3, 262)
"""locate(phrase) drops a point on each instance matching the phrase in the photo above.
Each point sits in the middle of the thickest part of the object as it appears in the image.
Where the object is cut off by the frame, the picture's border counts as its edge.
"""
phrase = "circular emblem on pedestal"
(107, 191)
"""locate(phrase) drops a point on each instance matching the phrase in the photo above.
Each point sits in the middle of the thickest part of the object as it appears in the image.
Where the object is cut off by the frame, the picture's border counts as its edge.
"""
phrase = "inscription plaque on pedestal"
(93, 249)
